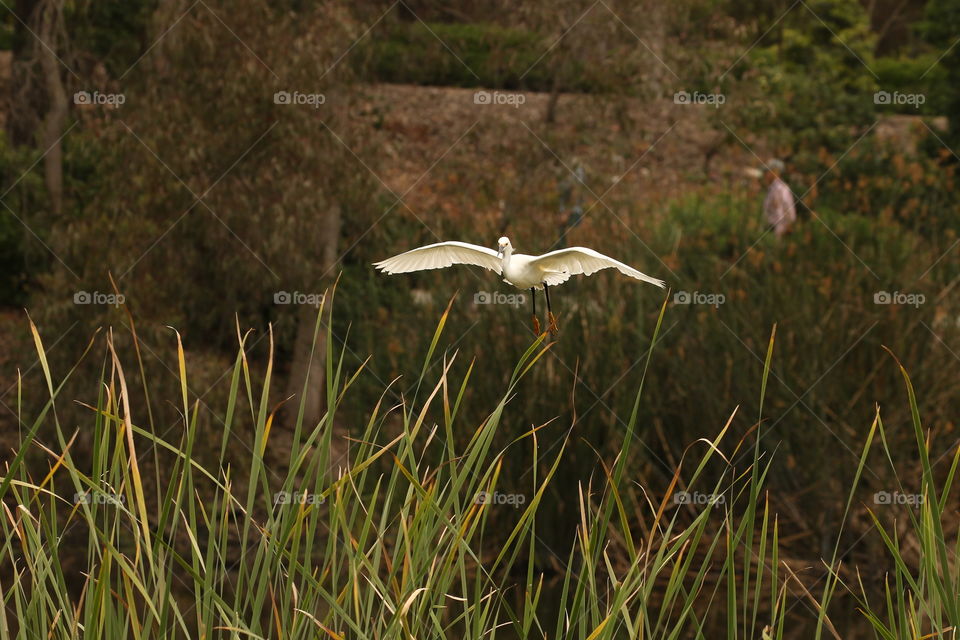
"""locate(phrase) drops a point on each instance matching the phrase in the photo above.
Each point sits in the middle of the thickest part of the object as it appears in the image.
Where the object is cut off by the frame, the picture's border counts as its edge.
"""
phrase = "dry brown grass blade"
(810, 597)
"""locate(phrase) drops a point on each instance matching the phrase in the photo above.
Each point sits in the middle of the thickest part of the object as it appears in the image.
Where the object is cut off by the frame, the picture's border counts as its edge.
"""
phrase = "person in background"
(779, 206)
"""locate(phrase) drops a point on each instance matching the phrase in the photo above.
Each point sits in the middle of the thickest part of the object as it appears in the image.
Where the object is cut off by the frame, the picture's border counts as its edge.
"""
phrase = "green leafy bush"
(921, 75)
(25, 197)
(878, 179)
(808, 83)
(467, 55)
(940, 28)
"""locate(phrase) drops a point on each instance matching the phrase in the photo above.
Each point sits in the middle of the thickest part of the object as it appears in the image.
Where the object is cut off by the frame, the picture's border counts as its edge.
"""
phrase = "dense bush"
(472, 55)
(914, 75)
(940, 29)
(415, 53)
(808, 83)
(23, 227)
(881, 181)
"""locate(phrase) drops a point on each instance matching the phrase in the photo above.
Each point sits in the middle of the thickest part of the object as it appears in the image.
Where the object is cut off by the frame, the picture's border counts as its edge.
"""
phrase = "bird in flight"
(520, 270)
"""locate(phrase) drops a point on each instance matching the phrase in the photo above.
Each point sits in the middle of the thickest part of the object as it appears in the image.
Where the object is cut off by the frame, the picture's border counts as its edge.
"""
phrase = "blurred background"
(216, 166)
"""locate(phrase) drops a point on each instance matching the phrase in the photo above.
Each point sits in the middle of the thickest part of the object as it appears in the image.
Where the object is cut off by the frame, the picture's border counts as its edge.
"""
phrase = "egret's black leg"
(536, 322)
(553, 321)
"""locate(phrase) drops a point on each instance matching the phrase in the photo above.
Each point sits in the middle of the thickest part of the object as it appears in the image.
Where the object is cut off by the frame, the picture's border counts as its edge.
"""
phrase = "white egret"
(518, 269)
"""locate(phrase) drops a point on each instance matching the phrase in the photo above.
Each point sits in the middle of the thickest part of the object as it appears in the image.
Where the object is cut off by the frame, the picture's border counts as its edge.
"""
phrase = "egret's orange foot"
(553, 328)
(536, 325)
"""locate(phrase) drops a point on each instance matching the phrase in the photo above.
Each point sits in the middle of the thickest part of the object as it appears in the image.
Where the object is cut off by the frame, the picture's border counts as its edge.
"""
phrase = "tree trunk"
(50, 16)
(309, 359)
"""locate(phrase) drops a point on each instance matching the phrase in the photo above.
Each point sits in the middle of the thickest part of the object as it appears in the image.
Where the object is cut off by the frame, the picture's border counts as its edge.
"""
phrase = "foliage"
(469, 55)
(110, 32)
(200, 122)
(171, 535)
(244, 210)
(809, 81)
(22, 254)
(922, 75)
(940, 28)
(879, 179)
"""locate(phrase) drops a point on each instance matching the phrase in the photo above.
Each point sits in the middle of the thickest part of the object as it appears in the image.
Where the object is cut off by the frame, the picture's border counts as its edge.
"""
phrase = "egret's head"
(503, 244)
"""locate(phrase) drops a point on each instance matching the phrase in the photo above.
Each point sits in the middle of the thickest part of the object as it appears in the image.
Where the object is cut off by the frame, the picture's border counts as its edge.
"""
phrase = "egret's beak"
(499, 252)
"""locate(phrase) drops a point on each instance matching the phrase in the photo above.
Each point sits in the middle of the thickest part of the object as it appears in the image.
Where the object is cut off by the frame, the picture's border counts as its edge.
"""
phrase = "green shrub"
(940, 28)
(489, 56)
(807, 83)
(920, 75)
(879, 179)
(21, 252)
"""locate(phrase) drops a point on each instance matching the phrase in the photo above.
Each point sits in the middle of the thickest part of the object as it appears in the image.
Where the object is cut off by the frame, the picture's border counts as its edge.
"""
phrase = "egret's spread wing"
(575, 261)
(440, 255)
